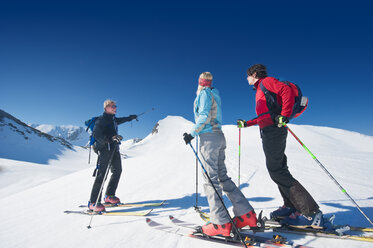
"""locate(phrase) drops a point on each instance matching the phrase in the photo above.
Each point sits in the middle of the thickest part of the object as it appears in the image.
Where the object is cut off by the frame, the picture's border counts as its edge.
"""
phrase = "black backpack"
(300, 105)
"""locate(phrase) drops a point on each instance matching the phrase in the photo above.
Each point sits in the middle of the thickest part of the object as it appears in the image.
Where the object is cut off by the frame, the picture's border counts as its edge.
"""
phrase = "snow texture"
(34, 195)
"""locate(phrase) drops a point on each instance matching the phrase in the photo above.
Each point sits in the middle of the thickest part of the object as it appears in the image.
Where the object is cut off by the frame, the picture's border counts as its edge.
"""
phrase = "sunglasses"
(112, 106)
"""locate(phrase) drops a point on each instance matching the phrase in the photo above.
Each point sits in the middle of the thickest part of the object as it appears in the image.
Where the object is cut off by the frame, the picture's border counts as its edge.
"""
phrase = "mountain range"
(73, 134)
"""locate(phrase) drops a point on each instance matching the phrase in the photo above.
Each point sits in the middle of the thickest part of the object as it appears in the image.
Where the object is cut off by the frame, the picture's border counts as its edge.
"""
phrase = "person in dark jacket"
(107, 143)
(299, 209)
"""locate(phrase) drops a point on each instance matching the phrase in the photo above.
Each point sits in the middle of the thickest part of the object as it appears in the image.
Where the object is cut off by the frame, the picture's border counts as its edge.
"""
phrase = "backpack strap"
(271, 99)
(95, 172)
(90, 123)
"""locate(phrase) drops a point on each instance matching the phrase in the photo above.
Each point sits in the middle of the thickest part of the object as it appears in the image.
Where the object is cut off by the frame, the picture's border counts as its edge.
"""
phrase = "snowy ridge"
(19, 141)
(73, 134)
(162, 167)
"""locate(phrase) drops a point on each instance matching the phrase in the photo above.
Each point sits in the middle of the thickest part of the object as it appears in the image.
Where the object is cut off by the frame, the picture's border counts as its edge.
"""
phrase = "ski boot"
(298, 220)
(111, 199)
(96, 207)
(216, 230)
(248, 219)
(281, 213)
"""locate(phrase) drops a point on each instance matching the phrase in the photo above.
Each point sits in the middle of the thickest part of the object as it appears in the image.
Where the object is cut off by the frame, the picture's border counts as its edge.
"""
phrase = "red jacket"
(285, 98)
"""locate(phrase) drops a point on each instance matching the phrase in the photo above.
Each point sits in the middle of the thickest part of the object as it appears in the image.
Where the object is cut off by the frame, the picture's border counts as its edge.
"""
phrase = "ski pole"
(239, 156)
(196, 206)
(327, 172)
(89, 156)
(143, 114)
(102, 184)
(146, 112)
(216, 191)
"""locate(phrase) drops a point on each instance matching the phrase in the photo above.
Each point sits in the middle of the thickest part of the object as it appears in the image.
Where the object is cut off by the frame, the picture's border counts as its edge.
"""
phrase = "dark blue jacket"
(106, 126)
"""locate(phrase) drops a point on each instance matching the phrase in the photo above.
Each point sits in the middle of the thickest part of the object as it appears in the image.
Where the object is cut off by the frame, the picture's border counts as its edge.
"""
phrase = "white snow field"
(33, 196)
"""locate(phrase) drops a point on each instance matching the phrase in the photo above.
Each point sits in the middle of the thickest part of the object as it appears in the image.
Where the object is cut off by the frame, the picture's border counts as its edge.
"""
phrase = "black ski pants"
(292, 192)
(116, 170)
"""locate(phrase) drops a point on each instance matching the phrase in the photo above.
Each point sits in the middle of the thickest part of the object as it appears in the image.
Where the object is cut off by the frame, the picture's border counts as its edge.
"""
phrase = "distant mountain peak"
(24, 129)
(74, 134)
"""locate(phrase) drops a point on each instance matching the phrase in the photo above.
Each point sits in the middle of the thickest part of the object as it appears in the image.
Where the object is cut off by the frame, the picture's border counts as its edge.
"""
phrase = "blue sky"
(59, 60)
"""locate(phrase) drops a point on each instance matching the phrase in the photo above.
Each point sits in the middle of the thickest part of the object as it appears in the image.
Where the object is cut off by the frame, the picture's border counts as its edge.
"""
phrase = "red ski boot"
(111, 199)
(248, 219)
(213, 229)
(97, 208)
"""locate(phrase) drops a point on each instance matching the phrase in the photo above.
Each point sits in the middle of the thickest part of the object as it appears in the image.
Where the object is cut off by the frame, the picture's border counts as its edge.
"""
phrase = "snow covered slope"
(19, 141)
(162, 167)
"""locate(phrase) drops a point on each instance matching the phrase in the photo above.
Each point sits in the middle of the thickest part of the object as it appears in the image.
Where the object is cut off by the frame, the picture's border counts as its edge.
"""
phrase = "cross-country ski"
(330, 230)
(186, 229)
(110, 213)
(128, 205)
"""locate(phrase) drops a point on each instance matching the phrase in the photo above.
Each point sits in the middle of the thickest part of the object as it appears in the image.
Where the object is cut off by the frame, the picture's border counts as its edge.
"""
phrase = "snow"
(33, 196)
(73, 134)
(21, 142)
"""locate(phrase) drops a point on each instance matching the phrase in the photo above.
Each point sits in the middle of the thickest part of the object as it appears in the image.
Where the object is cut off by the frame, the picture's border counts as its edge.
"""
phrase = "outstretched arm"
(121, 120)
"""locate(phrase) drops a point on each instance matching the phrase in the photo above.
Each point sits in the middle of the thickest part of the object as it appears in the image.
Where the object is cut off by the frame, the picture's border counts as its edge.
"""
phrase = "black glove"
(280, 120)
(132, 117)
(187, 138)
(241, 123)
(116, 138)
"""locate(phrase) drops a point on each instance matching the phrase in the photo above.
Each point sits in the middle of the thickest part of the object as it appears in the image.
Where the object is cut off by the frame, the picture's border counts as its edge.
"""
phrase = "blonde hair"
(204, 75)
(108, 102)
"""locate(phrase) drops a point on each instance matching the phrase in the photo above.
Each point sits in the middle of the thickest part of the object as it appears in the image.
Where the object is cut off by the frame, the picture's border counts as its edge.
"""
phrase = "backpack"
(90, 125)
(300, 104)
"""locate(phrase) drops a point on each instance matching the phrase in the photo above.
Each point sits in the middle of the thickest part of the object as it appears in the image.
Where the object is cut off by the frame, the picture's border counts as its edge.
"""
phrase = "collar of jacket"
(106, 115)
(255, 86)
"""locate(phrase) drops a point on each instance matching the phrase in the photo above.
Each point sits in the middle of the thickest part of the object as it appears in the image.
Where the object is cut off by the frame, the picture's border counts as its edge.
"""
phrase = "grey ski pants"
(212, 150)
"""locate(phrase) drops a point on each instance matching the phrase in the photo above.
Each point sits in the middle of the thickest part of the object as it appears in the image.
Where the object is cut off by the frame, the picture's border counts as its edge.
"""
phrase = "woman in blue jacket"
(208, 118)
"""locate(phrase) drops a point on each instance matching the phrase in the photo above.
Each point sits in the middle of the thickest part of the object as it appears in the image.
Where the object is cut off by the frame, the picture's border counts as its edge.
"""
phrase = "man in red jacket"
(299, 209)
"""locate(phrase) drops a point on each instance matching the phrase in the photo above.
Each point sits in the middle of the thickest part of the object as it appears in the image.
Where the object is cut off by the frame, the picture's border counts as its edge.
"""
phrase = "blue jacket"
(207, 112)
